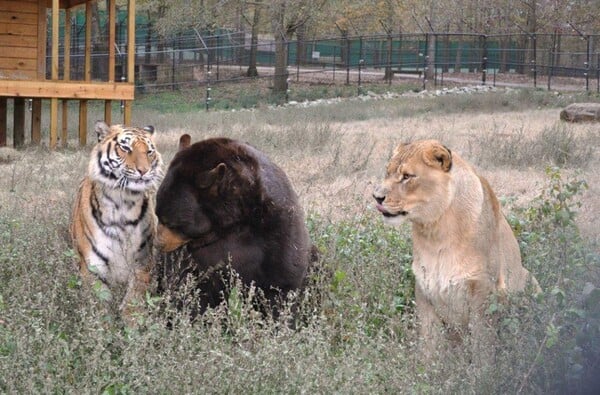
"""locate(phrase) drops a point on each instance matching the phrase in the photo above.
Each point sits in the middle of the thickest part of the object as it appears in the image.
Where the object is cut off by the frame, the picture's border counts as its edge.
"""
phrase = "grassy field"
(358, 333)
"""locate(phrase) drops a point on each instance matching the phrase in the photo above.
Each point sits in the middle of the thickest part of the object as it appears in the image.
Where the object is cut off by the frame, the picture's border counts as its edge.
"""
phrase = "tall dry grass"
(357, 334)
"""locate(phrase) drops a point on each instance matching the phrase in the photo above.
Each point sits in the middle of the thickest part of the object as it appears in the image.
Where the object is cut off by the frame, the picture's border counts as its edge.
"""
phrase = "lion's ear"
(208, 178)
(438, 156)
(184, 141)
(400, 147)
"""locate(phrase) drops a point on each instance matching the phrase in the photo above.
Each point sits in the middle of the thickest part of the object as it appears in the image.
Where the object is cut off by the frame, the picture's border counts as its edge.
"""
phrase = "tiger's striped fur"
(113, 222)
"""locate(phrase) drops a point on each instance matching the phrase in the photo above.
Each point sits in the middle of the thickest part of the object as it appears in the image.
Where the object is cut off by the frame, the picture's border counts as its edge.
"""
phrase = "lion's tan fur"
(464, 249)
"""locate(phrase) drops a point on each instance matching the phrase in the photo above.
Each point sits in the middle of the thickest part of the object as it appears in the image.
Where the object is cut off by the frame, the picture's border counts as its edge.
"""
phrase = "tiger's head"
(126, 158)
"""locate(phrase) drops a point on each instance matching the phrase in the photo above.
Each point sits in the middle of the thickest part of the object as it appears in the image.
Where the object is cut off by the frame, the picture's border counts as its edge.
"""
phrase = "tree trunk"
(301, 45)
(281, 72)
(252, 71)
(504, 43)
(281, 52)
(239, 40)
(389, 74)
(458, 59)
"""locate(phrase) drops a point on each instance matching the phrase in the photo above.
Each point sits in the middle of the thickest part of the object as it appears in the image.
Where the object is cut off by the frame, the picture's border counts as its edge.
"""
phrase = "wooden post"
(36, 104)
(82, 122)
(127, 113)
(54, 75)
(130, 56)
(66, 77)
(19, 122)
(36, 121)
(3, 110)
(87, 73)
(87, 76)
(53, 122)
(111, 56)
(64, 135)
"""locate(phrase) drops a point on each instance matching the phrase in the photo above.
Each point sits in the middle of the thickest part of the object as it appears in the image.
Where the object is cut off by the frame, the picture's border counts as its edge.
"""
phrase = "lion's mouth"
(388, 214)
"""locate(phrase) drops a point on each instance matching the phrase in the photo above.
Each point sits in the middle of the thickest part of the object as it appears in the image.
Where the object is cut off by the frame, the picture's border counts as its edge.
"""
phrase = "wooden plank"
(24, 75)
(68, 89)
(54, 49)
(18, 17)
(18, 6)
(108, 112)
(111, 40)
(19, 122)
(65, 3)
(36, 121)
(87, 66)
(53, 122)
(67, 47)
(7, 40)
(17, 64)
(21, 53)
(3, 123)
(41, 41)
(127, 113)
(130, 41)
(19, 29)
(82, 122)
(64, 118)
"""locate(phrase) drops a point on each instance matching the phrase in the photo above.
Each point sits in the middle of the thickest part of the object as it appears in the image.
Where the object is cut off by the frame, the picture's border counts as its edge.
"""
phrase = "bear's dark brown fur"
(224, 204)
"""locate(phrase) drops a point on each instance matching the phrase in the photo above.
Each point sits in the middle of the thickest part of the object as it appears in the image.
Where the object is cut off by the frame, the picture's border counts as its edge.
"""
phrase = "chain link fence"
(551, 61)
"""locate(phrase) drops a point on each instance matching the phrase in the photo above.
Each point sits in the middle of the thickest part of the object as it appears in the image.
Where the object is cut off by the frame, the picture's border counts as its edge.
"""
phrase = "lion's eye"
(405, 177)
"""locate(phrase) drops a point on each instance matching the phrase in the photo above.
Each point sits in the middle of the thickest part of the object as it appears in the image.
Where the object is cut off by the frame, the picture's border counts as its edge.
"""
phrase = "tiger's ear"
(149, 129)
(184, 141)
(209, 178)
(102, 130)
(438, 155)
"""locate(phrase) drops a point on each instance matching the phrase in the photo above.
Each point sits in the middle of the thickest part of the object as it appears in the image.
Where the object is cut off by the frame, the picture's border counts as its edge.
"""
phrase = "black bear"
(224, 205)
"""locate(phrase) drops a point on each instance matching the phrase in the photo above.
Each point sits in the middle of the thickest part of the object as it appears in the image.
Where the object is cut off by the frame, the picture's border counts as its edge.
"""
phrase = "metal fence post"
(347, 60)
(551, 56)
(360, 63)
(172, 65)
(598, 73)
(587, 64)
(533, 61)
(425, 61)
(484, 58)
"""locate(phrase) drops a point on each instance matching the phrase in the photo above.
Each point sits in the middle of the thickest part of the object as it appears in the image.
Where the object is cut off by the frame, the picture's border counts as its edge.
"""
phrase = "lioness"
(463, 248)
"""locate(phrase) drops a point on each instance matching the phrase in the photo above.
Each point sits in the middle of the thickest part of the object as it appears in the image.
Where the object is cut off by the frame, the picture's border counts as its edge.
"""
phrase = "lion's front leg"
(431, 328)
(482, 333)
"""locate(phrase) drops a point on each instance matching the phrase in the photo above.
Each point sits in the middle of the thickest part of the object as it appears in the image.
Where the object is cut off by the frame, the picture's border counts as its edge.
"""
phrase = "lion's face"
(417, 185)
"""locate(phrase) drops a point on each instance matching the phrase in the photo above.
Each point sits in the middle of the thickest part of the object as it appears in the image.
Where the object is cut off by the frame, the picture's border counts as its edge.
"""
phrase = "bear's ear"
(208, 178)
(438, 155)
(184, 141)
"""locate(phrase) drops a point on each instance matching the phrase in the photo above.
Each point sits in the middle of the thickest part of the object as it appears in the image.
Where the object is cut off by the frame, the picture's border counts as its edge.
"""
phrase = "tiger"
(113, 224)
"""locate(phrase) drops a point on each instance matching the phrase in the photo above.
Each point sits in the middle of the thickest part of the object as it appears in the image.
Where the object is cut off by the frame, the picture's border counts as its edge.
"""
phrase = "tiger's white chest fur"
(123, 230)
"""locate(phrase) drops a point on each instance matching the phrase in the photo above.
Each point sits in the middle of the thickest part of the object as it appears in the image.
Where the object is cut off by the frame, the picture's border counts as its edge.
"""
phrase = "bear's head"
(210, 187)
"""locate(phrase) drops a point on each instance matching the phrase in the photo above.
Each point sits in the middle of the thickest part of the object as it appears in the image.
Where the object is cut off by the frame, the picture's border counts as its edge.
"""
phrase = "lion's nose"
(379, 199)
